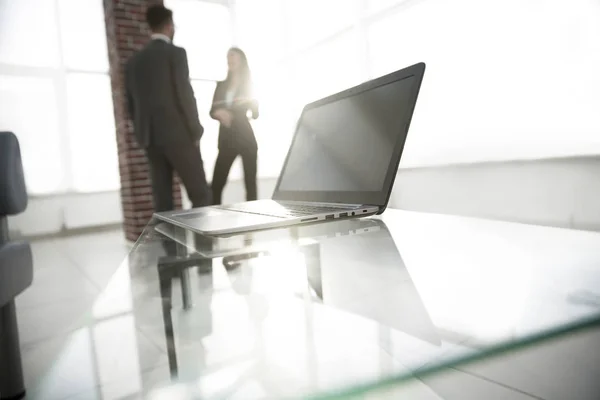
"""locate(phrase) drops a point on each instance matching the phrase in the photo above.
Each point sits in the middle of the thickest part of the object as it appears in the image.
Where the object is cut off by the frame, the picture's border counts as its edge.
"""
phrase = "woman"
(232, 103)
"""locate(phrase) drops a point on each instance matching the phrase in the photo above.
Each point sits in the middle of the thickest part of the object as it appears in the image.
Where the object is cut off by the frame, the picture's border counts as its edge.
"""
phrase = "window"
(302, 50)
(496, 93)
(204, 30)
(82, 33)
(93, 147)
(28, 108)
(204, 90)
(522, 92)
(260, 31)
(28, 33)
(326, 69)
(311, 21)
(55, 94)
(376, 6)
(505, 79)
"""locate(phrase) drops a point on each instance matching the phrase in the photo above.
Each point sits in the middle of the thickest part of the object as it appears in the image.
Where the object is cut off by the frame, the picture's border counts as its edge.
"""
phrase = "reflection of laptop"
(342, 162)
(265, 240)
(404, 310)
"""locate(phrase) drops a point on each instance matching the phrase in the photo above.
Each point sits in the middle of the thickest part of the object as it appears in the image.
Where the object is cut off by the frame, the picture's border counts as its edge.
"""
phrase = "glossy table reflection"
(348, 307)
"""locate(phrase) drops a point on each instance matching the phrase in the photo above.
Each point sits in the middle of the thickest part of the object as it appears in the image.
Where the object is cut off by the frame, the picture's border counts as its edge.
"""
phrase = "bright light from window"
(28, 33)
(524, 86)
(28, 108)
(374, 6)
(64, 120)
(327, 69)
(312, 21)
(83, 34)
(204, 29)
(204, 91)
(93, 145)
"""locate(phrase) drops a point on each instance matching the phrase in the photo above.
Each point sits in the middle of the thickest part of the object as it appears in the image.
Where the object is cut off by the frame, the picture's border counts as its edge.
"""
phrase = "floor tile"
(48, 321)
(108, 355)
(56, 283)
(98, 255)
(129, 387)
(59, 367)
(47, 253)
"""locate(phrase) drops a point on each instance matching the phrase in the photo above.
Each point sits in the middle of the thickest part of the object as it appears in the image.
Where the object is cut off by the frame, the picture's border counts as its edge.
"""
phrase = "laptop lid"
(347, 146)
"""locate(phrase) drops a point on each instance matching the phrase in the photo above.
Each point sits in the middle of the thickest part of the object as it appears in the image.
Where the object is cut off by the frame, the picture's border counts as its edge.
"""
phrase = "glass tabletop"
(345, 308)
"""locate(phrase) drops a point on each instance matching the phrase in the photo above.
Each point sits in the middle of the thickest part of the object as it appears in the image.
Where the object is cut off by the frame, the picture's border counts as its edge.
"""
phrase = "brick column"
(126, 33)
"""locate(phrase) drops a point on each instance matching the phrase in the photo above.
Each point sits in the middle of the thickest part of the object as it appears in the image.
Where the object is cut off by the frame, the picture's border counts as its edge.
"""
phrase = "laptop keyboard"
(283, 210)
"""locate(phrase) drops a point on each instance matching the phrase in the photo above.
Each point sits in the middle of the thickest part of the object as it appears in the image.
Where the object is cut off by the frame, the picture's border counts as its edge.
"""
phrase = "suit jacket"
(160, 97)
(240, 136)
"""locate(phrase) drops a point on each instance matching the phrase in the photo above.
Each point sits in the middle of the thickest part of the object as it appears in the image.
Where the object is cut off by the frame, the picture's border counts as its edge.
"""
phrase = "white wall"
(54, 214)
(555, 192)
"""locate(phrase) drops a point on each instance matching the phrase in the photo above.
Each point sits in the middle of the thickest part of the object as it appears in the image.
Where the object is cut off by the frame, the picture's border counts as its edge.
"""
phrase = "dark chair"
(16, 266)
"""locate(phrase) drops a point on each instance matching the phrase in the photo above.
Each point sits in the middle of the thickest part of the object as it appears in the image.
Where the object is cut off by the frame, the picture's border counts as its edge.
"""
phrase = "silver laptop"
(265, 240)
(341, 164)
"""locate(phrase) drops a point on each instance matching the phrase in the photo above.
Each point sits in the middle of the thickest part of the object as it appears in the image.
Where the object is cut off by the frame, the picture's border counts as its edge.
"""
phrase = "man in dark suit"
(165, 118)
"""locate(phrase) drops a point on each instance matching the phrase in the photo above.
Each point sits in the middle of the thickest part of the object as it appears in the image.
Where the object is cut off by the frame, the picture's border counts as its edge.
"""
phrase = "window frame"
(359, 27)
(58, 74)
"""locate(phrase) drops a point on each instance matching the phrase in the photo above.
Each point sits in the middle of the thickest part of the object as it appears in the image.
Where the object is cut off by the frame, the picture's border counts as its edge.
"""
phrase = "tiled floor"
(68, 355)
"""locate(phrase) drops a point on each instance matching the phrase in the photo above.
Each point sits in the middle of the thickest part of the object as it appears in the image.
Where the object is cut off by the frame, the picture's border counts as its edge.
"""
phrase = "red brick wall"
(126, 33)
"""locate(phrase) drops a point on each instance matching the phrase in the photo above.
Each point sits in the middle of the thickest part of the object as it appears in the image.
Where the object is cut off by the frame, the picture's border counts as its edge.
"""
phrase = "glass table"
(349, 308)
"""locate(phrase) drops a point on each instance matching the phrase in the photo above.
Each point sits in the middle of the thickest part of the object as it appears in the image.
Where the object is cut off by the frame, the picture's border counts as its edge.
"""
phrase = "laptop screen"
(349, 144)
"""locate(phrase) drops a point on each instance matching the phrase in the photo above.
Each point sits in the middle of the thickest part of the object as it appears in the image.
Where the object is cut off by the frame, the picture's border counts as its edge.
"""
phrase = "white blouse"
(229, 96)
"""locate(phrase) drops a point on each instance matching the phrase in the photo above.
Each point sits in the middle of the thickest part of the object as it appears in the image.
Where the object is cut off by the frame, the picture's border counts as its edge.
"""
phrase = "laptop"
(263, 240)
(341, 164)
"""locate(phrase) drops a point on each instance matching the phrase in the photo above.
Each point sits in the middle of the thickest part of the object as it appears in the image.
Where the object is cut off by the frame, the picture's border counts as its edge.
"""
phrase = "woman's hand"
(225, 117)
(251, 104)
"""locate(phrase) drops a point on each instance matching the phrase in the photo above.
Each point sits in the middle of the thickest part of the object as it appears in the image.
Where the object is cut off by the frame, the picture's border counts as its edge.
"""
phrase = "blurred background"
(507, 125)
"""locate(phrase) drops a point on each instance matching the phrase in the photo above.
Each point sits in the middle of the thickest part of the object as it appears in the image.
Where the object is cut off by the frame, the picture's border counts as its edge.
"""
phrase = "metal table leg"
(186, 290)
